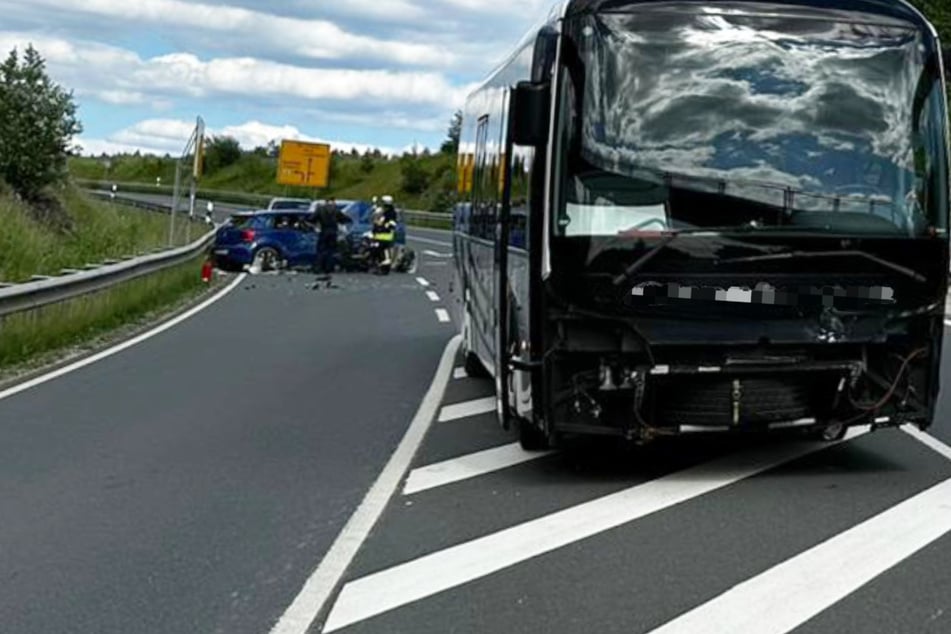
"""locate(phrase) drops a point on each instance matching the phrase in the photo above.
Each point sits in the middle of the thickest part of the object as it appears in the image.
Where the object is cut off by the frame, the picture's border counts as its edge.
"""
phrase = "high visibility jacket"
(385, 231)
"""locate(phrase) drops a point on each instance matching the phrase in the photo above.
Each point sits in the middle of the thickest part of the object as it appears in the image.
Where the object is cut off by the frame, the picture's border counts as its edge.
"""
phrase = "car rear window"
(240, 222)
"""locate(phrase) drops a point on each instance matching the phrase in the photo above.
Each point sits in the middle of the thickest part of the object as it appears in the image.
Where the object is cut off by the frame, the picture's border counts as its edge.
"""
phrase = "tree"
(415, 180)
(451, 144)
(37, 125)
(220, 152)
(367, 164)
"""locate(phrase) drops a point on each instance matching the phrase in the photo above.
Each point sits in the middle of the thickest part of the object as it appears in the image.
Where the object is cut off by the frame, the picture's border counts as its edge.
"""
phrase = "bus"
(691, 217)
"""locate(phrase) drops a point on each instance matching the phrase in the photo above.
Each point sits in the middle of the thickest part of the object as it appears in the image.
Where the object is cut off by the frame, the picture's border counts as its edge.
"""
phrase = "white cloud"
(319, 39)
(169, 136)
(110, 73)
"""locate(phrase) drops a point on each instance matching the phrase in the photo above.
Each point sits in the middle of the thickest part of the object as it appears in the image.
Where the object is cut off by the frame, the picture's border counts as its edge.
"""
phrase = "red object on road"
(206, 271)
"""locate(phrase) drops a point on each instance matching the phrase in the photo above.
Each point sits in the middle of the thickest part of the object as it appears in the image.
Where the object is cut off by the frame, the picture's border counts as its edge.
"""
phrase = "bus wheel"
(531, 438)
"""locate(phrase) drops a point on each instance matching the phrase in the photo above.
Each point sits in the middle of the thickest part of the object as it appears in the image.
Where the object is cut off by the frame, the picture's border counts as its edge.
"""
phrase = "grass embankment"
(96, 231)
(27, 336)
(87, 232)
(351, 177)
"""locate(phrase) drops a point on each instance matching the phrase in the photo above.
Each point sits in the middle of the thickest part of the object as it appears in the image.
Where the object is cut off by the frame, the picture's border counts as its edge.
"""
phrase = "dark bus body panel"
(812, 297)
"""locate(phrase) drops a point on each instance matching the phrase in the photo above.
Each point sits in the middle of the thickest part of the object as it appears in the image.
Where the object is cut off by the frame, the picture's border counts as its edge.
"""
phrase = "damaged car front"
(749, 225)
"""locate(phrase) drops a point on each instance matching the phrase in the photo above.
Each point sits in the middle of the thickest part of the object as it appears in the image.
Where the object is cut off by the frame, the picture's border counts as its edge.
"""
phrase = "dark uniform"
(328, 219)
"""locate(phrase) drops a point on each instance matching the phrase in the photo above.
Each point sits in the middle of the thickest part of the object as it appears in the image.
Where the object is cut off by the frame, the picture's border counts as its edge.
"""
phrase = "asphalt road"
(487, 538)
(194, 482)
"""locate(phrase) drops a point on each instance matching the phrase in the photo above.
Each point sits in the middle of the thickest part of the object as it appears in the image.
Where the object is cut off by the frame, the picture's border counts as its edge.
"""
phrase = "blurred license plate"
(221, 252)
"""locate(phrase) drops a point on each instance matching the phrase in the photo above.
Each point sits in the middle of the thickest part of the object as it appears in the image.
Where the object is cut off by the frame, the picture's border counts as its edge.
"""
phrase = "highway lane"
(191, 483)
(204, 517)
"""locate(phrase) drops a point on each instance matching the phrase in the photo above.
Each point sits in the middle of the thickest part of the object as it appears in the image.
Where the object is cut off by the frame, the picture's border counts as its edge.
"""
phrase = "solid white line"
(466, 409)
(786, 596)
(409, 582)
(928, 440)
(432, 295)
(468, 467)
(443, 316)
(460, 373)
(125, 345)
(437, 243)
(422, 282)
(298, 618)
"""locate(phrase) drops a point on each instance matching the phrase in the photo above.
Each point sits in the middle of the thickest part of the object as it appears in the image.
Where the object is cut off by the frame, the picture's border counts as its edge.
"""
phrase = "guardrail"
(28, 296)
(131, 202)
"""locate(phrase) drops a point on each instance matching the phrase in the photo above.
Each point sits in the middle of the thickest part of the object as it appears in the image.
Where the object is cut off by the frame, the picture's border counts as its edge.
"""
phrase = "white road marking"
(786, 596)
(125, 345)
(298, 618)
(423, 282)
(928, 440)
(467, 467)
(443, 316)
(407, 583)
(466, 409)
(432, 295)
(437, 243)
(947, 322)
(460, 373)
(436, 254)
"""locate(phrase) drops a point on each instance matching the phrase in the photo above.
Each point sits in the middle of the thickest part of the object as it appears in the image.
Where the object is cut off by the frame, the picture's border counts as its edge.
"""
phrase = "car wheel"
(269, 258)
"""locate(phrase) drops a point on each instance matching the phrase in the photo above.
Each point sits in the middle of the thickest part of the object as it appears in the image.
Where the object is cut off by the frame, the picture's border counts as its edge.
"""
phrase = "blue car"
(285, 238)
(275, 238)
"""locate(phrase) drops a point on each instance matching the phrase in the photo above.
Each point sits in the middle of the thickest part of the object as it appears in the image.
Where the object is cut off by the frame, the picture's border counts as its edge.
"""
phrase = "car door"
(305, 242)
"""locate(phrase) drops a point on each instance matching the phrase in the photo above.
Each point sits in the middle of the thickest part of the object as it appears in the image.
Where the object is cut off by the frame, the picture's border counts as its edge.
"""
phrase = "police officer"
(329, 219)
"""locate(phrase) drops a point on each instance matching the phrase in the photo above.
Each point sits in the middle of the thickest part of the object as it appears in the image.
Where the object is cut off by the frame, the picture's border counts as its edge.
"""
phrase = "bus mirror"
(531, 111)
(543, 57)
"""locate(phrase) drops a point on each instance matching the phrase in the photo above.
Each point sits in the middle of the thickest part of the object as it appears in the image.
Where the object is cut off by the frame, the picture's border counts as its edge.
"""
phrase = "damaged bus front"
(746, 226)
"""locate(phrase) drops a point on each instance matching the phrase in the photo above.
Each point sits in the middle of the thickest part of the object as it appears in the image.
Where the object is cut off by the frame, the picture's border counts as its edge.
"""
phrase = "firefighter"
(384, 229)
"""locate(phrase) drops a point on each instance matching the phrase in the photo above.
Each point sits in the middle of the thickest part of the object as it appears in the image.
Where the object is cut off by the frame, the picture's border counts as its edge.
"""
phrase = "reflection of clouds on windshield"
(793, 101)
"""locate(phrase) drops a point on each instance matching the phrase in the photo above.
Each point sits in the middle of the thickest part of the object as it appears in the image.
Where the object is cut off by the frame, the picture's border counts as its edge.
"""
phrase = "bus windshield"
(684, 116)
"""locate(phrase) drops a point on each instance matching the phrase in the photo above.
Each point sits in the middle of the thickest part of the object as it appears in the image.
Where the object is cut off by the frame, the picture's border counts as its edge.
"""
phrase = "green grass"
(25, 336)
(100, 231)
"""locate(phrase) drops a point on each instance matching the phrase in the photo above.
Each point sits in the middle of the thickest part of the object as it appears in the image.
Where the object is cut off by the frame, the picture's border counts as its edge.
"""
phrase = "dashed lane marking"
(298, 618)
(412, 581)
(786, 596)
(467, 467)
(443, 316)
(423, 282)
(433, 296)
(46, 378)
(467, 409)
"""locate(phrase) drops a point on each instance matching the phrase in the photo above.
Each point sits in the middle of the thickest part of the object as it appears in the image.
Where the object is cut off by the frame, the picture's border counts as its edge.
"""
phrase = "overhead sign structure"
(304, 164)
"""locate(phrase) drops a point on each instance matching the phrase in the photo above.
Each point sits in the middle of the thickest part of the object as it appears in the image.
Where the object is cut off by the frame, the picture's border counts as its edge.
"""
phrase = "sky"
(384, 74)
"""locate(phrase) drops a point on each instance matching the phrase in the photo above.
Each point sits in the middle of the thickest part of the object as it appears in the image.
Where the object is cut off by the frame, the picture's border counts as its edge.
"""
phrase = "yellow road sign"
(304, 164)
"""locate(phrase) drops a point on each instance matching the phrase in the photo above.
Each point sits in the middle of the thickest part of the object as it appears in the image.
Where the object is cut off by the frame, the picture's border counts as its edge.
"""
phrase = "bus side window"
(481, 203)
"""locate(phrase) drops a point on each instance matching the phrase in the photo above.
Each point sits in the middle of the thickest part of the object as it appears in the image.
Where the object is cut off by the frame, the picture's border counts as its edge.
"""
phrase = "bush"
(37, 124)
